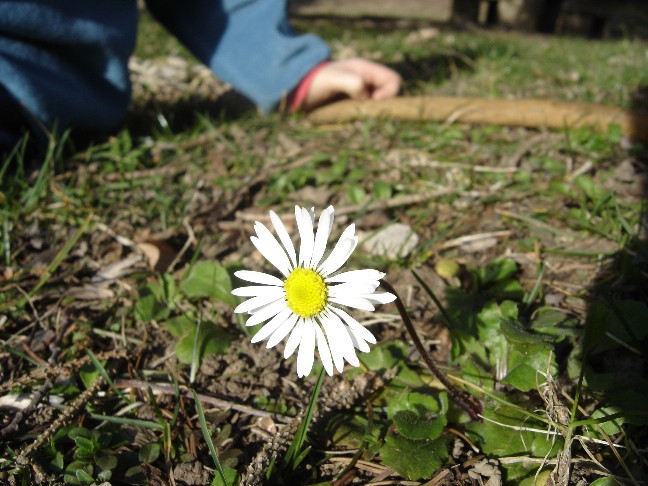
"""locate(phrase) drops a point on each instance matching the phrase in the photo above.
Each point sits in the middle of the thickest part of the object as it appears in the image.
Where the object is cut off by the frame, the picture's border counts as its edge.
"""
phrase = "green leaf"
(106, 462)
(84, 477)
(497, 270)
(149, 453)
(88, 374)
(606, 481)
(382, 190)
(524, 363)
(212, 340)
(413, 459)
(104, 475)
(357, 194)
(498, 439)
(610, 427)
(546, 446)
(84, 443)
(412, 401)
(150, 305)
(539, 480)
(181, 325)
(517, 335)
(231, 477)
(385, 355)
(592, 190)
(413, 426)
(208, 279)
(57, 462)
(78, 472)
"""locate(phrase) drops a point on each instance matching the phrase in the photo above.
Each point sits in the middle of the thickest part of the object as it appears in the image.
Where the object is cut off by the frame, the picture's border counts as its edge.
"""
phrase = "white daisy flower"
(306, 303)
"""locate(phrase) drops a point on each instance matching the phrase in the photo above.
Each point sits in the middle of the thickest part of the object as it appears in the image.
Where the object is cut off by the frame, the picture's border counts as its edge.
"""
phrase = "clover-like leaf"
(413, 459)
(413, 426)
(208, 279)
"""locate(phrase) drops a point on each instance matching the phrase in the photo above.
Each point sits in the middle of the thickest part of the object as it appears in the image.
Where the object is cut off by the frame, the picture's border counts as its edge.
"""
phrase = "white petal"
(251, 305)
(294, 339)
(306, 354)
(358, 343)
(324, 351)
(332, 334)
(258, 291)
(258, 277)
(338, 256)
(282, 331)
(380, 297)
(356, 288)
(353, 301)
(321, 238)
(356, 328)
(366, 275)
(307, 239)
(349, 232)
(284, 237)
(266, 312)
(272, 325)
(270, 248)
(342, 339)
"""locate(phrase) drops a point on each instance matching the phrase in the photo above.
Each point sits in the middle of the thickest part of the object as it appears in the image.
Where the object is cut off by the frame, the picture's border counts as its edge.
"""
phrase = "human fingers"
(381, 81)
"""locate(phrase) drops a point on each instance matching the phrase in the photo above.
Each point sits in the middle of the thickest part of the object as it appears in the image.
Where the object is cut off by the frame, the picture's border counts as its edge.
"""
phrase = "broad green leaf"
(213, 340)
(517, 335)
(231, 477)
(88, 374)
(104, 475)
(610, 427)
(412, 401)
(357, 194)
(606, 481)
(385, 355)
(497, 270)
(84, 477)
(208, 279)
(150, 304)
(413, 426)
(406, 376)
(525, 363)
(72, 475)
(498, 439)
(382, 190)
(547, 445)
(149, 453)
(508, 289)
(413, 459)
(106, 461)
(539, 480)
(180, 325)
(555, 323)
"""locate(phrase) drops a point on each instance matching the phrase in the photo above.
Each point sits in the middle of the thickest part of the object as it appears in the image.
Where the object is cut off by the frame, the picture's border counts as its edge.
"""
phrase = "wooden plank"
(431, 10)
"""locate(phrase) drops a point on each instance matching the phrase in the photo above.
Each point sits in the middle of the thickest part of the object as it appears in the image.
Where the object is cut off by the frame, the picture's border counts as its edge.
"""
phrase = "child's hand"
(353, 78)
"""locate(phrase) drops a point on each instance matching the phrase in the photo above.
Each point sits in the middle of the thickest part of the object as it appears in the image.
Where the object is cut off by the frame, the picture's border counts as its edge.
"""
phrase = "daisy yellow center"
(306, 292)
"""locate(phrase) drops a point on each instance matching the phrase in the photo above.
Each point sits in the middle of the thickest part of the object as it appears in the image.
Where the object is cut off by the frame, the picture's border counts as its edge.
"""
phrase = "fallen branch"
(513, 112)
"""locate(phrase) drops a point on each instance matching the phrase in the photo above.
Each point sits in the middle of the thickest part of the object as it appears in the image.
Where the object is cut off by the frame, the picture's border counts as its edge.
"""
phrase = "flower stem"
(465, 401)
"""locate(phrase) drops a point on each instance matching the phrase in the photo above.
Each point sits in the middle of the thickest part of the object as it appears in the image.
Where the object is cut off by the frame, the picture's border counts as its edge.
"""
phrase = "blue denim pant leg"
(65, 64)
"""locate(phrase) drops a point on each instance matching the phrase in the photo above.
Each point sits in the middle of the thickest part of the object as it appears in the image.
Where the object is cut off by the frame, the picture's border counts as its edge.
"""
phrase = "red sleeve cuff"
(298, 95)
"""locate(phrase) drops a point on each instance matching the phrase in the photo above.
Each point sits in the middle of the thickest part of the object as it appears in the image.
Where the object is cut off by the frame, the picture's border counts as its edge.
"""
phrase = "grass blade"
(102, 371)
(207, 435)
(294, 454)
